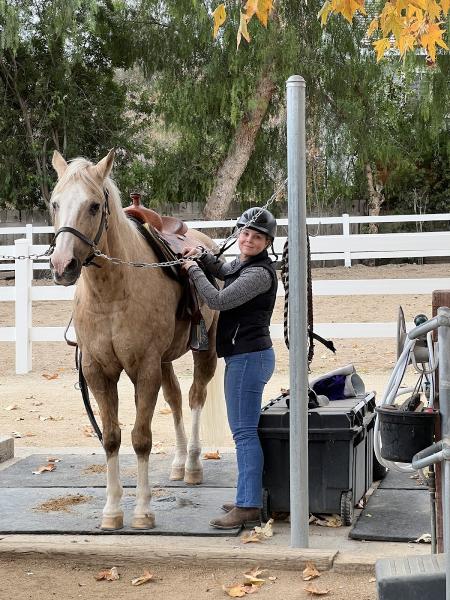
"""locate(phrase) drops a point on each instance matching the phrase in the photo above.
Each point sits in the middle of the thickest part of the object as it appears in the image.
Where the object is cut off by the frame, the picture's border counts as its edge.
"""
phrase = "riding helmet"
(265, 222)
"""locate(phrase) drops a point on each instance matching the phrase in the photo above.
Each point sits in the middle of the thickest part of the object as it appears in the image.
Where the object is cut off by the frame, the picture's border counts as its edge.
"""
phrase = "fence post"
(346, 234)
(29, 233)
(23, 318)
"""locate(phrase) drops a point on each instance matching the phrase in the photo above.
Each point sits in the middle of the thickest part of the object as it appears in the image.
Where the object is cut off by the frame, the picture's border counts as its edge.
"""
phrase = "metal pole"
(444, 408)
(298, 360)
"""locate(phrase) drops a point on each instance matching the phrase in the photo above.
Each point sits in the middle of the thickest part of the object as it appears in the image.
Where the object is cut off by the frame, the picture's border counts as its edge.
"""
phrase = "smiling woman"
(246, 303)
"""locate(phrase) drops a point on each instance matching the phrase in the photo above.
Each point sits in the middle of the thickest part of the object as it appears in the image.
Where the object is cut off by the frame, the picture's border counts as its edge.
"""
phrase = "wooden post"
(439, 298)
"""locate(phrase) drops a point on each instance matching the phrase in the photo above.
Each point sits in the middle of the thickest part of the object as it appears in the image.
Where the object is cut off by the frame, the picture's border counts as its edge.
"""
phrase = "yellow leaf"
(433, 38)
(251, 7)
(405, 42)
(381, 46)
(419, 3)
(433, 9)
(243, 31)
(219, 16)
(324, 12)
(445, 4)
(372, 27)
(263, 11)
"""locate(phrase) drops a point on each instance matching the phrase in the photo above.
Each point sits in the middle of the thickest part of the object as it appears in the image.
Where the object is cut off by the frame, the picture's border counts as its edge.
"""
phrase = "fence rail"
(346, 247)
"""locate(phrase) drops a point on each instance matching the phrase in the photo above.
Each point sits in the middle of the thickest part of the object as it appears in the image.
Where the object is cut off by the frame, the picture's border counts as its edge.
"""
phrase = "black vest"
(245, 328)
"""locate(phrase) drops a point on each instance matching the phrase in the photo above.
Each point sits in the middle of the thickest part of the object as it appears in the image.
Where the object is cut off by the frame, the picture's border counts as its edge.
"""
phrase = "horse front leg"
(173, 397)
(146, 394)
(106, 396)
(204, 367)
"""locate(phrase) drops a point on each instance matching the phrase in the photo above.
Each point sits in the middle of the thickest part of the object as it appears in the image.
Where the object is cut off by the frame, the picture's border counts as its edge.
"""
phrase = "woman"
(246, 304)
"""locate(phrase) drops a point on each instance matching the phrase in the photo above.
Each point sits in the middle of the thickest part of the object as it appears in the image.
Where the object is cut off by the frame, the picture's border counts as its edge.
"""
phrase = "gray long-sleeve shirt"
(250, 283)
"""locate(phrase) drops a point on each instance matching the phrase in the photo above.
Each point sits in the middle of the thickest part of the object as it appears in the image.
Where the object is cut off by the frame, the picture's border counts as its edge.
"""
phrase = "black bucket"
(404, 433)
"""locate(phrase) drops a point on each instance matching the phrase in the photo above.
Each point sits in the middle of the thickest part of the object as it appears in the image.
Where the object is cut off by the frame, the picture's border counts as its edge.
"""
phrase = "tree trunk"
(240, 151)
(376, 198)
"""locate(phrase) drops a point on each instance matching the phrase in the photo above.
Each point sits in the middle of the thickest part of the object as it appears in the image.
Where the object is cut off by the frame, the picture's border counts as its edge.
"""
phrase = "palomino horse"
(125, 319)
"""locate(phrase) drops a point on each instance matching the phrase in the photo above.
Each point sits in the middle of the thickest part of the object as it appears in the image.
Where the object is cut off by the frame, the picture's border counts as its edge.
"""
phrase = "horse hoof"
(193, 477)
(110, 523)
(145, 522)
(177, 473)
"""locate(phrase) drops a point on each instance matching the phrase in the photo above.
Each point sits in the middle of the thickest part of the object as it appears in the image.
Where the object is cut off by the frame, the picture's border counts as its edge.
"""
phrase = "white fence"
(324, 248)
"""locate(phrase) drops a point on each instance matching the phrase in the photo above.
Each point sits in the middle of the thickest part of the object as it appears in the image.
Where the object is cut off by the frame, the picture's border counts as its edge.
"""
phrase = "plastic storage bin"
(340, 455)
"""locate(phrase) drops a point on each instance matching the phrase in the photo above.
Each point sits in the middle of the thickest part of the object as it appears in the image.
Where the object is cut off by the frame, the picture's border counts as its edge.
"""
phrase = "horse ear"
(104, 166)
(59, 164)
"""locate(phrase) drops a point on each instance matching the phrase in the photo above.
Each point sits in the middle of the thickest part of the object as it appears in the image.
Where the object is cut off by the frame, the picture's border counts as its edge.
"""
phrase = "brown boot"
(238, 517)
(228, 506)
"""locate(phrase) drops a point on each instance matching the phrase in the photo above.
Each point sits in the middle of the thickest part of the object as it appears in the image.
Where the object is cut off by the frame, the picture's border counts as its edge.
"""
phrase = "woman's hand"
(188, 264)
(193, 251)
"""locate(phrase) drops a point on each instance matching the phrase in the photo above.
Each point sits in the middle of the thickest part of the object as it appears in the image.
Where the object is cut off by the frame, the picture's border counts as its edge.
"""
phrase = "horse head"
(79, 208)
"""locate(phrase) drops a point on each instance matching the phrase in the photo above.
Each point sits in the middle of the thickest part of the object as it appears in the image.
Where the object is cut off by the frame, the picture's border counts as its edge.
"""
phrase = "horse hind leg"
(204, 367)
(173, 397)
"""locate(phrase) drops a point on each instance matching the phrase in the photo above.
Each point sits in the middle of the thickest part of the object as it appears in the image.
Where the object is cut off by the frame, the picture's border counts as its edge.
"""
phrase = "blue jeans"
(245, 377)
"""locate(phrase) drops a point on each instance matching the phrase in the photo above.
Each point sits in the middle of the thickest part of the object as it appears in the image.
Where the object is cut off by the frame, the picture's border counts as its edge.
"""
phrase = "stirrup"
(199, 337)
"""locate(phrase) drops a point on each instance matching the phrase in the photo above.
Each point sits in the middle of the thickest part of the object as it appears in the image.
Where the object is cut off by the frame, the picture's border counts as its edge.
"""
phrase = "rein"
(92, 243)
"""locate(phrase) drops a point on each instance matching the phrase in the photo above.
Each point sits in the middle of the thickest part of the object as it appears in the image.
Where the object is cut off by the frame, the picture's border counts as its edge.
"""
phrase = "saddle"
(168, 236)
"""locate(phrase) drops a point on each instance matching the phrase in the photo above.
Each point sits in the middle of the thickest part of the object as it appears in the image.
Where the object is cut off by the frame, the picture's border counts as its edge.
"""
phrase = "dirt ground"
(47, 409)
(28, 579)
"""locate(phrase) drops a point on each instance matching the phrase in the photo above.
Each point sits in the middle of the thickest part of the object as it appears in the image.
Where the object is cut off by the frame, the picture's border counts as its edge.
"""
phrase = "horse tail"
(214, 424)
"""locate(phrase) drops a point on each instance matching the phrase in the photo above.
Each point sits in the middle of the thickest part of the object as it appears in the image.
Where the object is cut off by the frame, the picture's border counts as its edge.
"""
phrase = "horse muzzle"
(65, 272)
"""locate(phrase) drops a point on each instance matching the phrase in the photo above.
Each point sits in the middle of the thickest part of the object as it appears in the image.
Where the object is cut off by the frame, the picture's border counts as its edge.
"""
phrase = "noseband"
(92, 243)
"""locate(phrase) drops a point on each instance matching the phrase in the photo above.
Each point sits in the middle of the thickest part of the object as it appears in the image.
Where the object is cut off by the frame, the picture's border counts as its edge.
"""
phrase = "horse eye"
(93, 209)
(55, 205)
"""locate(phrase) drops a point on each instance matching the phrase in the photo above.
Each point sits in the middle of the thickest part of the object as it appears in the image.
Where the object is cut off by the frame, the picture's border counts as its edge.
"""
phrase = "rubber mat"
(78, 511)
(401, 481)
(399, 515)
(76, 471)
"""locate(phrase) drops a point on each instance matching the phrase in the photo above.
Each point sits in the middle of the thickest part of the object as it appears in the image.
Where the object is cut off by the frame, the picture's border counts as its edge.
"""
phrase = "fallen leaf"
(372, 580)
(12, 407)
(212, 455)
(315, 591)
(88, 431)
(326, 520)
(255, 572)
(425, 538)
(110, 575)
(49, 377)
(272, 578)
(310, 572)
(157, 448)
(165, 411)
(251, 588)
(52, 459)
(234, 591)
(29, 434)
(147, 576)
(258, 534)
(44, 468)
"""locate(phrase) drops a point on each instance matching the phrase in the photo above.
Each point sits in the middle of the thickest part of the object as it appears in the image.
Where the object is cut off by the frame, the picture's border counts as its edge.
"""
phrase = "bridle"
(92, 243)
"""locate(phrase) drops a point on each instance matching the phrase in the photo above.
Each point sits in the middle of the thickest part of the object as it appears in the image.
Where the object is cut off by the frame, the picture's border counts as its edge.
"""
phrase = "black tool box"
(340, 453)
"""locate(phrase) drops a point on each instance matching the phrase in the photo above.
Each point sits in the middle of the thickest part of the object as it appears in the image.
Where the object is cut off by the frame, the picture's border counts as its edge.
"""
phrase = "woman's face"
(251, 242)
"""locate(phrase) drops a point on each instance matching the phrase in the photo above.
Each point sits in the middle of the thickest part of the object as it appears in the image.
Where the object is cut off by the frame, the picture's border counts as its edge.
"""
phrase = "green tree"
(58, 89)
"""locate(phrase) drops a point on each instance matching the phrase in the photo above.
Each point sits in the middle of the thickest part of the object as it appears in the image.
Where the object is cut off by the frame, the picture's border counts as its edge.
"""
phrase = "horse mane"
(78, 169)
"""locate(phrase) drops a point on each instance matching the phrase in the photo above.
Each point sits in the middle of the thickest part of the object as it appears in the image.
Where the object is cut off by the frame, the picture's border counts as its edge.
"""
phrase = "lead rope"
(285, 281)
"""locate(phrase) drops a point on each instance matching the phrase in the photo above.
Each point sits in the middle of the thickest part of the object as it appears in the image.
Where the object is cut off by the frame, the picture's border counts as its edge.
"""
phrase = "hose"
(427, 382)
